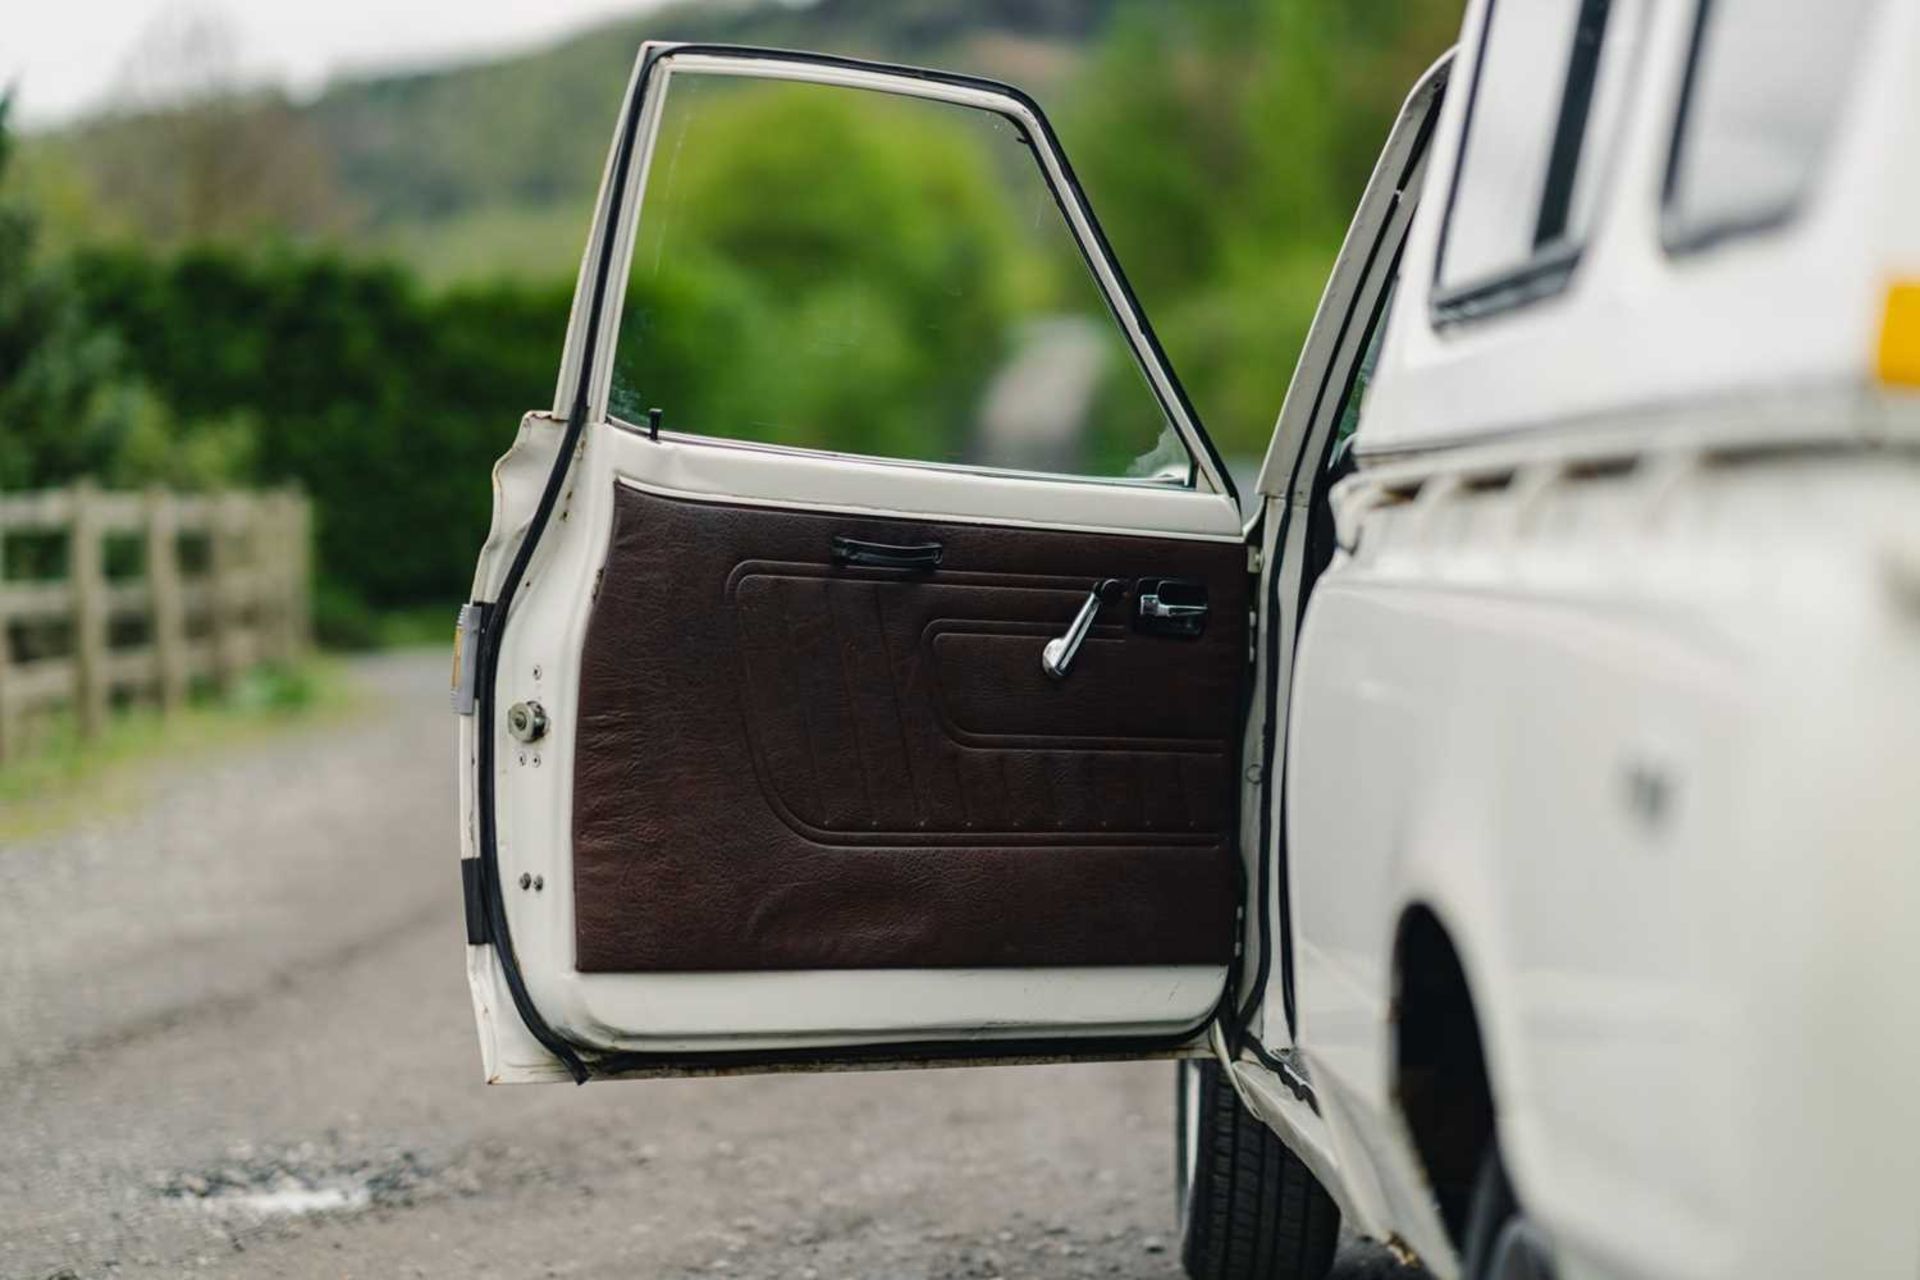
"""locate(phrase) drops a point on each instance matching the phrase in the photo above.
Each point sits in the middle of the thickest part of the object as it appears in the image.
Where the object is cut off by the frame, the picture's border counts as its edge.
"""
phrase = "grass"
(65, 777)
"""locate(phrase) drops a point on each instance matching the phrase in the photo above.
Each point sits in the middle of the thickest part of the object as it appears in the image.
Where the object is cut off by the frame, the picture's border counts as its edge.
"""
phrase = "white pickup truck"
(1509, 820)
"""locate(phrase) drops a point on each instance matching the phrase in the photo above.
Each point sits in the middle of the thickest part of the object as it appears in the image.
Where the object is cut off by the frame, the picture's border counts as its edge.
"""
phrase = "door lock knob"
(527, 721)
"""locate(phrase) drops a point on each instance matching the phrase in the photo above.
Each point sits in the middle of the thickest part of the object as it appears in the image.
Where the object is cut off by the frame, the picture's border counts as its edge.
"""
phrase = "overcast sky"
(65, 56)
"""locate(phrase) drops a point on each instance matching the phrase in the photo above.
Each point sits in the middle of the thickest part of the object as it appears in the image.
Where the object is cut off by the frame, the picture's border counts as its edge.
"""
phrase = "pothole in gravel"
(300, 1182)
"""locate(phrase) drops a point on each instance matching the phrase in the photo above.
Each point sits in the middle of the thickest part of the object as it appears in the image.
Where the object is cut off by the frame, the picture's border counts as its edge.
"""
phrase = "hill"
(485, 169)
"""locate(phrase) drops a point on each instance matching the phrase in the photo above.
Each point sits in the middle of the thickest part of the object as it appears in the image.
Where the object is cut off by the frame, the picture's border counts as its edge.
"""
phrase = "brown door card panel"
(794, 755)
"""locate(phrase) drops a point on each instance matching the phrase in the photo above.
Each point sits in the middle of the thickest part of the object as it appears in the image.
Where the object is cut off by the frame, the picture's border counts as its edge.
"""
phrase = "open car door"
(858, 658)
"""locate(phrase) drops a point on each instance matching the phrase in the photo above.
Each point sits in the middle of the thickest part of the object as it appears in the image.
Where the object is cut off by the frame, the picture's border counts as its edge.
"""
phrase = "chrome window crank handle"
(1058, 655)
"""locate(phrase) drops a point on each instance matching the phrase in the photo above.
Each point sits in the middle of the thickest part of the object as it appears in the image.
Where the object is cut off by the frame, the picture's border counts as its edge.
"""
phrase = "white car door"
(1298, 491)
(879, 697)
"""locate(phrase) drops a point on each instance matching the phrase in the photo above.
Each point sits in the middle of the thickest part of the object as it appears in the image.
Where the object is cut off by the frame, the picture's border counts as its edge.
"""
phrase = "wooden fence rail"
(114, 598)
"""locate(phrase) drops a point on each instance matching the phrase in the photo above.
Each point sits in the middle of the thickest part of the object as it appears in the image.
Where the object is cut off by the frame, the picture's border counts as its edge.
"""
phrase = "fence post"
(277, 545)
(300, 569)
(222, 534)
(164, 599)
(6, 655)
(87, 572)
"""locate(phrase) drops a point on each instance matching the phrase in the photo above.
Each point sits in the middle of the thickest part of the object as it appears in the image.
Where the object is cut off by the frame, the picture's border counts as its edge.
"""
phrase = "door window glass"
(1353, 403)
(1766, 83)
(861, 272)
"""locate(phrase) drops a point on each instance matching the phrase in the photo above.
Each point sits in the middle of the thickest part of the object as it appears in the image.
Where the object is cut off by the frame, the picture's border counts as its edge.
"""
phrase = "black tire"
(1503, 1243)
(1249, 1209)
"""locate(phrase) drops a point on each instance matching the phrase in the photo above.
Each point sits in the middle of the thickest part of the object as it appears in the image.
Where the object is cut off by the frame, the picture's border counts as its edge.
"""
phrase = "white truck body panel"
(1616, 674)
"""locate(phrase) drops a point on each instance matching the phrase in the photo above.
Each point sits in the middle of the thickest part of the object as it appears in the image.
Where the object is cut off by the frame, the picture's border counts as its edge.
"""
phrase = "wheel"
(1503, 1243)
(1249, 1209)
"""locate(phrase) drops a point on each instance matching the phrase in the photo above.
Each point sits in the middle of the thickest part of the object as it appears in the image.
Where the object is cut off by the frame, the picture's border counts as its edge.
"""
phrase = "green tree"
(69, 404)
(823, 268)
(51, 359)
(1225, 143)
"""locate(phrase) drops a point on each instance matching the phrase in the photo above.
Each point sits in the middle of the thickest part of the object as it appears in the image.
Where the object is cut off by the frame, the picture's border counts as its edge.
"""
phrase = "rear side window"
(1764, 87)
(1545, 87)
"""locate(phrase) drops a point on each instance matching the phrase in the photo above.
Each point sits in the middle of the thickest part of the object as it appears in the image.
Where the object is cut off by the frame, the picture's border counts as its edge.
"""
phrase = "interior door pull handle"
(1057, 657)
(920, 557)
(1171, 607)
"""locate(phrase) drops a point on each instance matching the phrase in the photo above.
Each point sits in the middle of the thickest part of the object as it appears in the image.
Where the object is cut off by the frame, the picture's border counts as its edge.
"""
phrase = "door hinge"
(1254, 560)
(467, 630)
(473, 890)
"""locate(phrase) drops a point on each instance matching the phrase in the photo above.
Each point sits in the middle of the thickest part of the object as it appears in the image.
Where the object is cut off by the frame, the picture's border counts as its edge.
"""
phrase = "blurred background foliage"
(869, 275)
(363, 290)
(900, 284)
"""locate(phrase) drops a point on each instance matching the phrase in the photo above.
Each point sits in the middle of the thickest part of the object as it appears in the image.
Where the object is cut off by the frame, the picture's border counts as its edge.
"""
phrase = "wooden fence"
(108, 599)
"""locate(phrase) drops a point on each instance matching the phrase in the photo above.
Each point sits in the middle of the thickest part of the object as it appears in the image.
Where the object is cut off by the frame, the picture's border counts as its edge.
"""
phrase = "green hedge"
(387, 404)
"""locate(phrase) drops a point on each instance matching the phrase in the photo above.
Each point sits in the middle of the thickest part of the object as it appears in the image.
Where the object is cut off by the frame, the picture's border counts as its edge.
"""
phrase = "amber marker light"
(1899, 363)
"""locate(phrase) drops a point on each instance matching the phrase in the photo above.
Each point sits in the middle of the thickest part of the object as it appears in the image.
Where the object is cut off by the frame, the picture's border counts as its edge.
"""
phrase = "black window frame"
(1549, 267)
(1680, 238)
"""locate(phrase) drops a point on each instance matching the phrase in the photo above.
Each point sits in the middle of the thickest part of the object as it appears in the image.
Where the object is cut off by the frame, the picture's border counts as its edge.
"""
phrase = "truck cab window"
(1546, 89)
(1765, 84)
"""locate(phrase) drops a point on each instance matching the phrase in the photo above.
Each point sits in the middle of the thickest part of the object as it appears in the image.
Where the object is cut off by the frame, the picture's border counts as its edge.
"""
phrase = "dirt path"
(235, 1041)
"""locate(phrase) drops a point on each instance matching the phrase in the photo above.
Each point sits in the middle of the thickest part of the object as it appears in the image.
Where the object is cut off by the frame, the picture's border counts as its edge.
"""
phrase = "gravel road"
(235, 1041)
